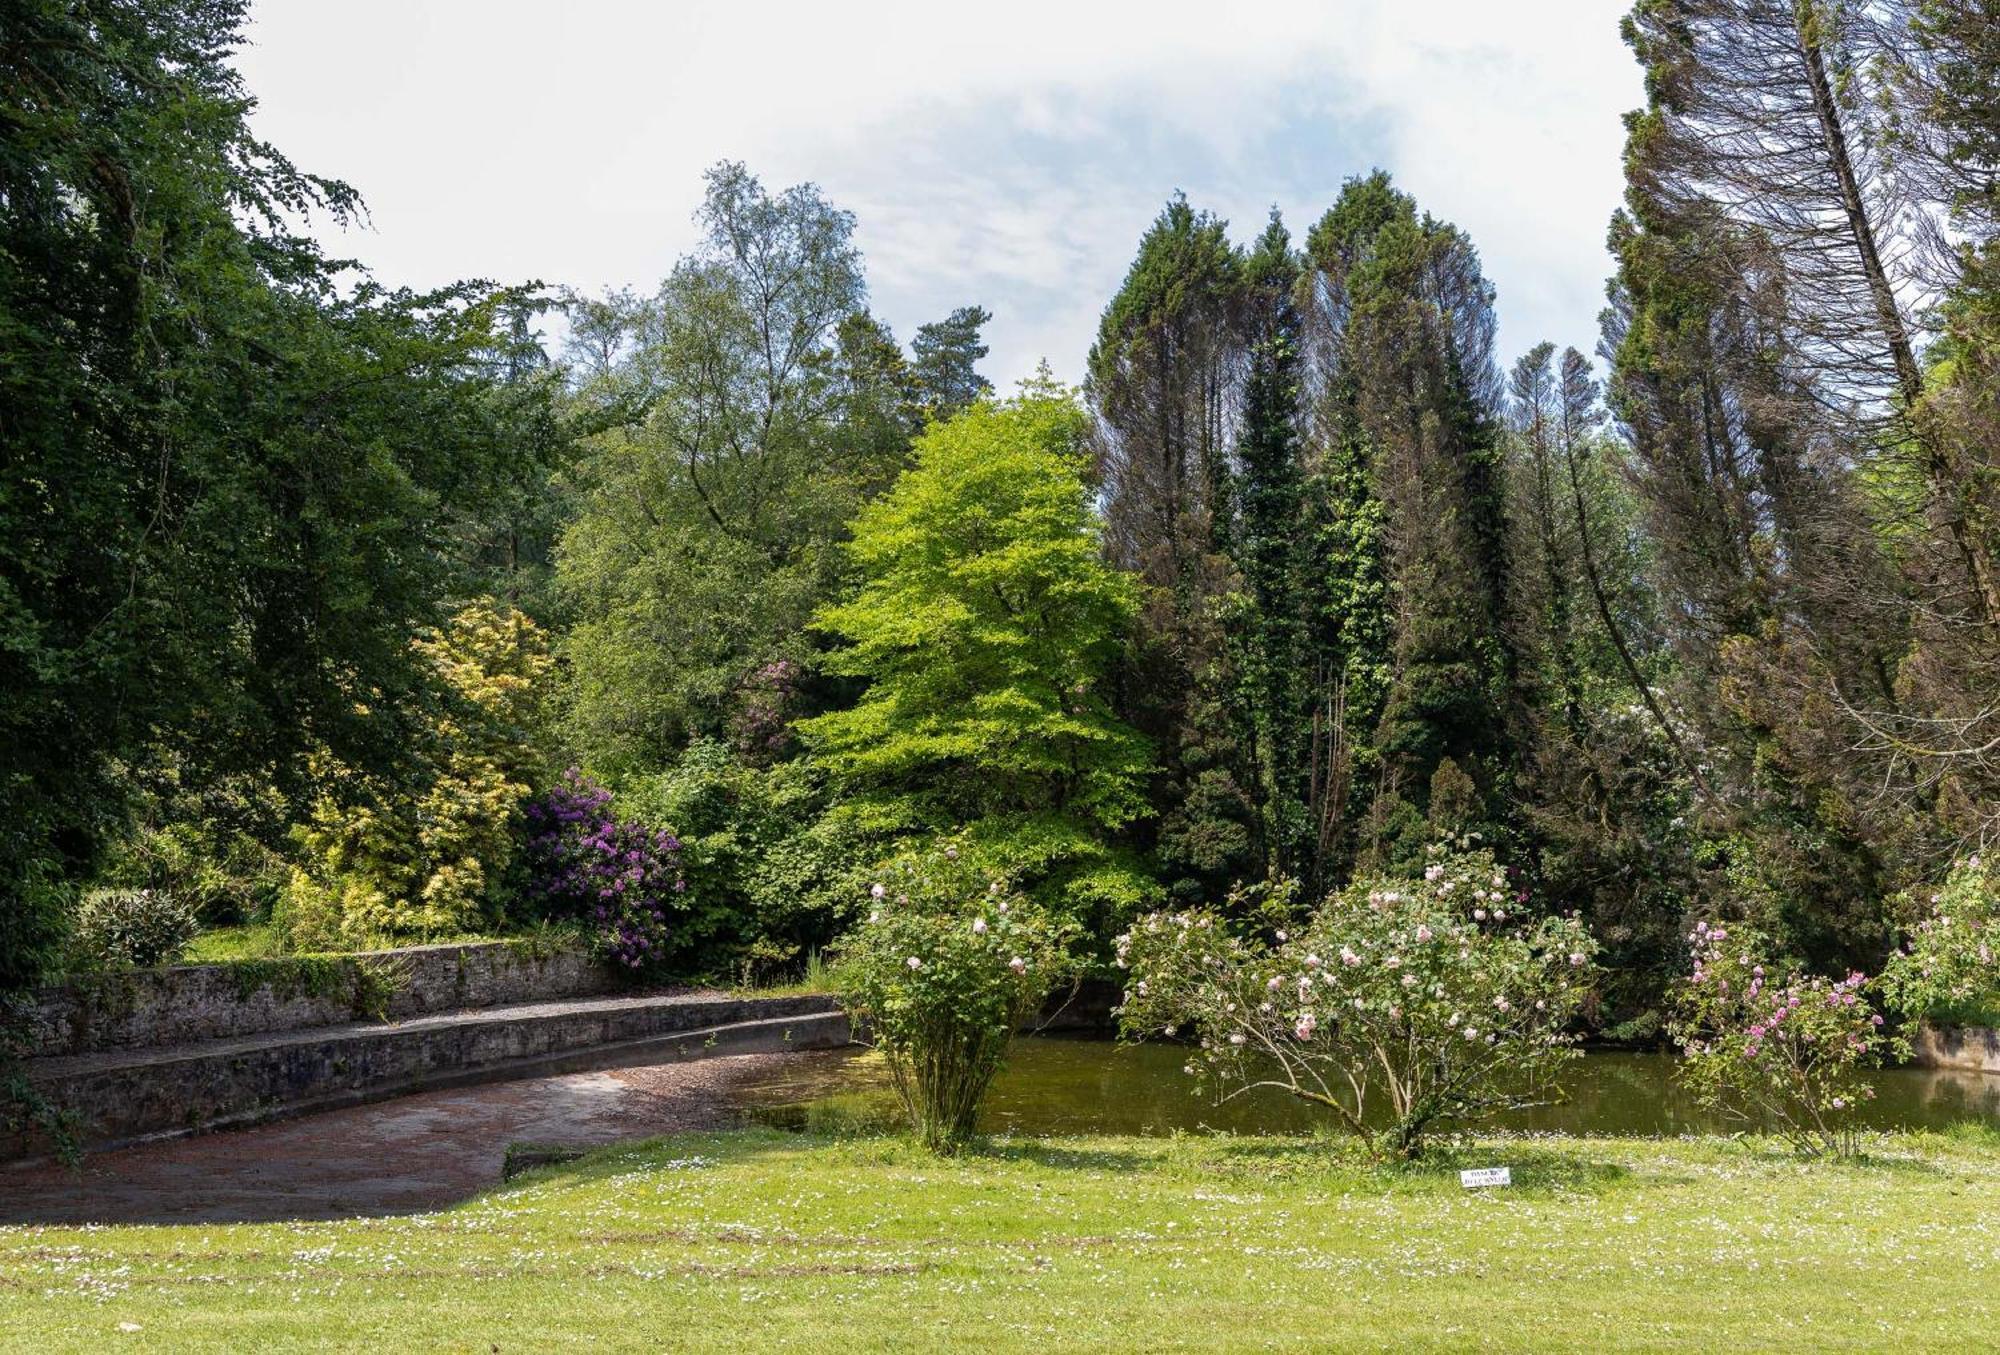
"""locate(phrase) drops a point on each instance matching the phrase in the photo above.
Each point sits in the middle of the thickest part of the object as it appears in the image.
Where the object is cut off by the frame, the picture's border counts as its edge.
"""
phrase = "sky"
(1009, 155)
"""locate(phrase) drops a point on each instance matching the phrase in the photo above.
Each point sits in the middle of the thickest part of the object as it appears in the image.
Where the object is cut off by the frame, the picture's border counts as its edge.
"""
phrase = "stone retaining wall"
(1972, 1048)
(177, 1005)
(121, 1098)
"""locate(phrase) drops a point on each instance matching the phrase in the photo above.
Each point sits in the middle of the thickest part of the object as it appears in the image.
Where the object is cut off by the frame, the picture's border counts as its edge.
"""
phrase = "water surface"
(1056, 1085)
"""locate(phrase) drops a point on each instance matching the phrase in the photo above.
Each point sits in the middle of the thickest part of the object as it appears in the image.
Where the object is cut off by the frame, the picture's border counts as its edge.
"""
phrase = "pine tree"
(1163, 385)
(944, 359)
(1414, 659)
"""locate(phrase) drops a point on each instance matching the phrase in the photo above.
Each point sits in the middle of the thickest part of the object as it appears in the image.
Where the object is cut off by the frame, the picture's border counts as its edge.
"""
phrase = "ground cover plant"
(767, 1241)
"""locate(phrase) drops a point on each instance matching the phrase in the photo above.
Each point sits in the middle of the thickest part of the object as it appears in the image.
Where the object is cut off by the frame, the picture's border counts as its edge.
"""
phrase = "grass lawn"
(760, 1240)
(246, 941)
(260, 941)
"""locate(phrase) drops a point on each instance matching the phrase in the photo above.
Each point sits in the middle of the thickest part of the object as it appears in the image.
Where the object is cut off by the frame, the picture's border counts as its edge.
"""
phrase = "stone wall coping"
(178, 1004)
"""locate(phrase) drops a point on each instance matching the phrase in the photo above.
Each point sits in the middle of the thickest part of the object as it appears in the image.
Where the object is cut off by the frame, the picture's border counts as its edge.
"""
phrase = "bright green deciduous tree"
(984, 627)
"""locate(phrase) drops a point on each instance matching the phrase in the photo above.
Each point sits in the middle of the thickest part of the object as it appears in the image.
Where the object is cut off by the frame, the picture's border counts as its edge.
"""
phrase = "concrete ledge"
(126, 1096)
(184, 1003)
(1970, 1048)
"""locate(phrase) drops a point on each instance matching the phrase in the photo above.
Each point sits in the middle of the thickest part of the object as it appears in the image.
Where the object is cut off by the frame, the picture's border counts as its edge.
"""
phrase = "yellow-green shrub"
(422, 856)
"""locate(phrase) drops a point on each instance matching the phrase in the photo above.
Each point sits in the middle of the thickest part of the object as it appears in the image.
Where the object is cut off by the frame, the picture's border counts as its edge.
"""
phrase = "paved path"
(412, 1154)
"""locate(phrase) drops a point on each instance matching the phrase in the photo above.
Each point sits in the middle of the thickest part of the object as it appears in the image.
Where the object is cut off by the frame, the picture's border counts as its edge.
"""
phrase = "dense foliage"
(1948, 967)
(950, 962)
(1403, 1006)
(239, 476)
(120, 928)
(425, 853)
(772, 877)
(1305, 582)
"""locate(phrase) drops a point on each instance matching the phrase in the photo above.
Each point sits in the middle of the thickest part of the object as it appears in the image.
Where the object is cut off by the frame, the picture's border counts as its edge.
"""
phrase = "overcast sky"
(1009, 154)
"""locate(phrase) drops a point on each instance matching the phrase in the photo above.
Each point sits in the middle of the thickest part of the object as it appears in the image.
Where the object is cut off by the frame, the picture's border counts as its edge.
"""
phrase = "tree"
(238, 478)
(745, 414)
(944, 357)
(985, 627)
(1937, 746)
(1770, 114)
(1412, 663)
(1603, 778)
(1163, 384)
(759, 406)
(1765, 369)
(1271, 550)
(1161, 380)
(423, 852)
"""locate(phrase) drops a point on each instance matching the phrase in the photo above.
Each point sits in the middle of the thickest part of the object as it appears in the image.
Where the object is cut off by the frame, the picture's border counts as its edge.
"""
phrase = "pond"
(1082, 1086)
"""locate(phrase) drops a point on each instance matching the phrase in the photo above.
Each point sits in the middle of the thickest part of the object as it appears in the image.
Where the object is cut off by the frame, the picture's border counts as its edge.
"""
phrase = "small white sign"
(1486, 1176)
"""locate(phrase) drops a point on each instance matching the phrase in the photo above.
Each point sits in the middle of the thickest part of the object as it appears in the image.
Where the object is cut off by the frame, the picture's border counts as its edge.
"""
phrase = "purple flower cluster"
(762, 726)
(619, 876)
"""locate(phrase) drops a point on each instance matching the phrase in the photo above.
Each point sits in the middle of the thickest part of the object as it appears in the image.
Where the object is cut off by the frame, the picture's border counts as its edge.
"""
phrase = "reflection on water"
(1070, 1086)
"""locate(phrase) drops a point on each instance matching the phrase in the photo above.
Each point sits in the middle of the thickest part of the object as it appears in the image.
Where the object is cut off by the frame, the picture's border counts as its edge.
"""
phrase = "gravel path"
(403, 1156)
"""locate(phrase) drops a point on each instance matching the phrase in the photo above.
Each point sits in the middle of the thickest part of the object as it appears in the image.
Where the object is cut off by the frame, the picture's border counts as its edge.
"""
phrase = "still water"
(1077, 1086)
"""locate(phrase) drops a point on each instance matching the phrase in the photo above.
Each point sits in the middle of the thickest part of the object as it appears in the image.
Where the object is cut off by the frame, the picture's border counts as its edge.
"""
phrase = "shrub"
(203, 839)
(423, 856)
(225, 877)
(948, 965)
(620, 877)
(1948, 968)
(1775, 1050)
(1402, 1006)
(770, 875)
(115, 928)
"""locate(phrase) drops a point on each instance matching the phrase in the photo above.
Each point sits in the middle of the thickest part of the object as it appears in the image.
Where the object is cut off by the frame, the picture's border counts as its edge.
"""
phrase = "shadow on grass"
(1345, 1164)
(1060, 1155)
(1332, 1162)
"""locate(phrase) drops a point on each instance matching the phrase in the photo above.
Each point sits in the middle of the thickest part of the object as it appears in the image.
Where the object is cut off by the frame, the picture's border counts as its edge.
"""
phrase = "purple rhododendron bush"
(1403, 1006)
(623, 879)
(1774, 1047)
(950, 962)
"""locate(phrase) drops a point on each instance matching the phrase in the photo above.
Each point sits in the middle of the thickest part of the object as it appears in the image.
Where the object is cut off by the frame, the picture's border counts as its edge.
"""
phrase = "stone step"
(126, 1095)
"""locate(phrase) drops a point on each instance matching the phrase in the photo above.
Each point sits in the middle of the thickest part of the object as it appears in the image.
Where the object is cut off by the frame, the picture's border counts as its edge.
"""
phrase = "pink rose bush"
(1772, 1047)
(1948, 967)
(1395, 1006)
(949, 964)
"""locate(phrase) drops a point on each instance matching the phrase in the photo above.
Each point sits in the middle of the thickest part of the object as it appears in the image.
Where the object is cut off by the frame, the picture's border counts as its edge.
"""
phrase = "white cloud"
(1010, 158)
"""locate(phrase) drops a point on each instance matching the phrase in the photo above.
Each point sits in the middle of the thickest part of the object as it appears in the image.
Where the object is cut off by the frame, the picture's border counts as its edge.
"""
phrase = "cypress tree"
(1270, 550)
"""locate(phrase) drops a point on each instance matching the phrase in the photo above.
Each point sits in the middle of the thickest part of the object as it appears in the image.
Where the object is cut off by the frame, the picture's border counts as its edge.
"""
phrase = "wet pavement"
(408, 1155)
